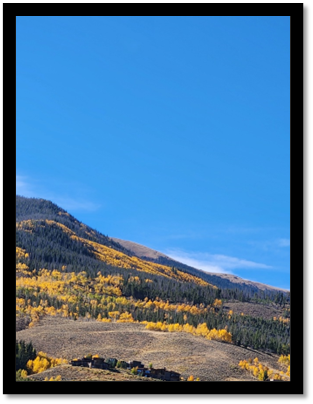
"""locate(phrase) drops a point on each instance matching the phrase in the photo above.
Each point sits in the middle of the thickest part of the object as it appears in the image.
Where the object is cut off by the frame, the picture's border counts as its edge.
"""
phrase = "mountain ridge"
(144, 252)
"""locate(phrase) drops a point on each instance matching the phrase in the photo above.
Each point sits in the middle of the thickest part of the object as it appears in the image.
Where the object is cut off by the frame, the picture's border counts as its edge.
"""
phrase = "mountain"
(67, 269)
(78, 244)
(53, 239)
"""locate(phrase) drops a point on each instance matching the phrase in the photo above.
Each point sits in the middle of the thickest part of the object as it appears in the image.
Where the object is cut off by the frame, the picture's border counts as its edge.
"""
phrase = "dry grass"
(181, 352)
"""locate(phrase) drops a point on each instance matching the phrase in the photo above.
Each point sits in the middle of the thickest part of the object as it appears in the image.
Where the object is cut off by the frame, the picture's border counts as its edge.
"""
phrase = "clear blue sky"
(172, 132)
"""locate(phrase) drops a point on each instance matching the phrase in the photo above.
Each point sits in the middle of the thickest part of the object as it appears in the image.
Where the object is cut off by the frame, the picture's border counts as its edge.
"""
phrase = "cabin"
(164, 374)
(171, 376)
(76, 362)
(157, 373)
(86, 362)
(99, 363)
(134, 364)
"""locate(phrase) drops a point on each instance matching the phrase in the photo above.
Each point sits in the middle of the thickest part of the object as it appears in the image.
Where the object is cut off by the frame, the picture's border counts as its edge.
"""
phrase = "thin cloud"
(26, 187)
(213, 262)
(71, 204)
(284, 242)
(23, 187)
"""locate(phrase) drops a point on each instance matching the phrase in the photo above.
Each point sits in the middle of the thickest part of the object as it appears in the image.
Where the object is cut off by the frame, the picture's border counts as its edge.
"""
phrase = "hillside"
(69, 274)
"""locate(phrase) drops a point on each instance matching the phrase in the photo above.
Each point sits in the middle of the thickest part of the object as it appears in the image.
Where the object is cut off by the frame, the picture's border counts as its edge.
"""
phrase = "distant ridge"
(220, 280)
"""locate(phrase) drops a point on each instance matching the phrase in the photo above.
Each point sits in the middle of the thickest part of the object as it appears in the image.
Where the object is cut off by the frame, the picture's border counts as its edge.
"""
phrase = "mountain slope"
(220, 280)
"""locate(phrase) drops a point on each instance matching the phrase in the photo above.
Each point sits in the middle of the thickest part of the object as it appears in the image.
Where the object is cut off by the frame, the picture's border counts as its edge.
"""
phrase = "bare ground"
(180, 352)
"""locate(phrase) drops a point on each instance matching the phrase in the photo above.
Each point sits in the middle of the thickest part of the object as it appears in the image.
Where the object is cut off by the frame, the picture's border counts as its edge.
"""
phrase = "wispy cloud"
(71, 204)
(270, 245)
(213, 262)
(31, 188)
(23, 186)
(283, 242)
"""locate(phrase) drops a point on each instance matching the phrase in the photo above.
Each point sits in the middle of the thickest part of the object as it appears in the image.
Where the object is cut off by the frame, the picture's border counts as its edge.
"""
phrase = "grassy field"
(180, 352)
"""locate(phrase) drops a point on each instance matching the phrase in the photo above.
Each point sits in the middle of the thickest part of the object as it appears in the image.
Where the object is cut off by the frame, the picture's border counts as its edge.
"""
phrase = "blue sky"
(172, 132)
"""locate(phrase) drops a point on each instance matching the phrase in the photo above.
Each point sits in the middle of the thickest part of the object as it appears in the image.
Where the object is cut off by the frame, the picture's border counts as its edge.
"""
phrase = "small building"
(76, 362)
(134, 364)
(86, 362)
(172, 376)
(98, 362)
(157, 373)
(164, 374)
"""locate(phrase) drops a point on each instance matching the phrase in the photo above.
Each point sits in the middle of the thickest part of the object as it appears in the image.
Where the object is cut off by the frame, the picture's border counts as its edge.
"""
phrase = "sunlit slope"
(111, 256)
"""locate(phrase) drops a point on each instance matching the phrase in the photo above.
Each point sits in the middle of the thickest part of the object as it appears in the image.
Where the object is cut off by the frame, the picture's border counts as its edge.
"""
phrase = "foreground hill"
(180, 352)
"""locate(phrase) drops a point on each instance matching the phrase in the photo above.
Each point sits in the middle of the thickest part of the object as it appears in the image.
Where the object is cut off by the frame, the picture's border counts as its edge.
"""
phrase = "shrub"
(134, 370)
